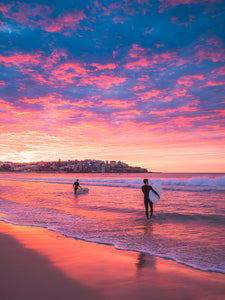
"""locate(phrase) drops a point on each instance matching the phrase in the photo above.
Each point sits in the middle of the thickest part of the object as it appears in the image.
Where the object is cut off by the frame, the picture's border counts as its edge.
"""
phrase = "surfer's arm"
(155, 192)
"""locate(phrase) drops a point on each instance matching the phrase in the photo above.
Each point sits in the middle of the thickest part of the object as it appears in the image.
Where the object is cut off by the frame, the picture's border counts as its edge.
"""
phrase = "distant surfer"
(146, 188)
(76, 185)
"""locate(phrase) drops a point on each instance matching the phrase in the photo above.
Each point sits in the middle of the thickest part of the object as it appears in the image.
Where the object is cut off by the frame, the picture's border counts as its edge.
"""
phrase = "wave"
(194, 183)
(197, 181)
(126, 235)
(193, 262)
(200, 218)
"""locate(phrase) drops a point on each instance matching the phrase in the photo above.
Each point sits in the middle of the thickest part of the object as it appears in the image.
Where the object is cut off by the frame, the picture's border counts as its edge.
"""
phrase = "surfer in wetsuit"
(76, 185)
(146, 189)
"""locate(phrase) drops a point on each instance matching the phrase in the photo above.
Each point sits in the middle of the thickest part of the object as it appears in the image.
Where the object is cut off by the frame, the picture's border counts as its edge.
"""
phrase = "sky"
(138, 81)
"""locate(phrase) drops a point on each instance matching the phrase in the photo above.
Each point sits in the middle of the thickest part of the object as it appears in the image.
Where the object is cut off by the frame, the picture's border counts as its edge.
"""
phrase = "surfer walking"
(146, 188)
(76, 185)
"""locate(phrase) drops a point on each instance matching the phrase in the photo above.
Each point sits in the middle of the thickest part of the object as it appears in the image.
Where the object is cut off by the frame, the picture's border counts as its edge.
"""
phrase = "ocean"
(188, 225)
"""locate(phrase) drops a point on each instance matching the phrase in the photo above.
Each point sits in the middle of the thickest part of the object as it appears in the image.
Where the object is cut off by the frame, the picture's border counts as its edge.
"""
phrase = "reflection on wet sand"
(144, 259)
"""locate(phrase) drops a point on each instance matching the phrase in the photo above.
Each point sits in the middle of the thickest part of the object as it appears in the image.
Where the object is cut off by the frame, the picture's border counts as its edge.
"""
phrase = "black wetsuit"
(76, 185)
(146, 189)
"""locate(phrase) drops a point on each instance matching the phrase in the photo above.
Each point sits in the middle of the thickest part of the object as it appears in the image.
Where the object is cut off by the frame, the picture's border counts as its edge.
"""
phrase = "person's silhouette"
(146, 188)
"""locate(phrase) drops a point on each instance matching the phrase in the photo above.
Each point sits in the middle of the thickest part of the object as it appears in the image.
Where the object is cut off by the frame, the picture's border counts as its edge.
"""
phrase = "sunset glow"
(138, 81)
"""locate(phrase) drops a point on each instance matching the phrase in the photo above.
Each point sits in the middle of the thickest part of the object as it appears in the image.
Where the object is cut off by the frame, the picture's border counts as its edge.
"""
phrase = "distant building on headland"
(72, 166)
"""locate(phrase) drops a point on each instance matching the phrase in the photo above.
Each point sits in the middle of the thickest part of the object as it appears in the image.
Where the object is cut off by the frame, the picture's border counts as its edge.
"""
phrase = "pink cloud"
(174, 3)
(158, 45)
(144, 1)
(29, 140)
(102, 81)
(126, 114)
(218, 83)
(144, 78)
(141, 63)
(219, 71)
(4, 8)
(117, 20)
(24, 13)
(83, 103)
(115, 5)
(61, 74)
(54, 58)
(115, 103)
(35, 100)
(189, 80)
(104, 67)
(5, 105)
(169, 58)
(11, 116)
(175, 20)
(139, 87)
(169, 111)
(38, 77)
(67, 72)
(55, 112)
(136, 51)
(213, 55)
(20, 59)
(143, 83)
(215, 41)
(25, 62)
(75, 72)
(40, 15)
(70, 20)
(153, 94)
(177, 93)
(166, 95)
(212, 50)
(115, 53)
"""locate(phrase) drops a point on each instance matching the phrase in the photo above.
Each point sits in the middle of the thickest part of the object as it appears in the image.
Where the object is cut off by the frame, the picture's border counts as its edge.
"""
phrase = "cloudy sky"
(141, 81)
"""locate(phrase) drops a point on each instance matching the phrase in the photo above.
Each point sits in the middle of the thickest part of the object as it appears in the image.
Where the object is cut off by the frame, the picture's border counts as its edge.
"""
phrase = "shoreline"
(61, 172)
(56, 263)
(149, 172)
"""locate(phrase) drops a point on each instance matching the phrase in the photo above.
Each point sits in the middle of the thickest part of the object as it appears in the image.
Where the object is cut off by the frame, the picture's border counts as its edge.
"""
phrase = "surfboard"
(157, 186)
(82, 191)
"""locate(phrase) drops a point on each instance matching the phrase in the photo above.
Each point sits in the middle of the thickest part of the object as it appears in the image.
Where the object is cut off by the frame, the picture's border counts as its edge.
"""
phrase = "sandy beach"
(40, 264)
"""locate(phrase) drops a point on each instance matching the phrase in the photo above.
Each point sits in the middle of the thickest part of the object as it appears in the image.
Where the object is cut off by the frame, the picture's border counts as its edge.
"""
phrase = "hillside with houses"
(72, 166)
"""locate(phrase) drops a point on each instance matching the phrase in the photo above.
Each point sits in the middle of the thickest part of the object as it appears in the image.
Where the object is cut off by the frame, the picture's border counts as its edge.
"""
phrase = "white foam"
(204, 181)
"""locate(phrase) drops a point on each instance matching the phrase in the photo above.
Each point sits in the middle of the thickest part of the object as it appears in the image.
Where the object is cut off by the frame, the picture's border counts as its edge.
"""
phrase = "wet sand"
(40, 264)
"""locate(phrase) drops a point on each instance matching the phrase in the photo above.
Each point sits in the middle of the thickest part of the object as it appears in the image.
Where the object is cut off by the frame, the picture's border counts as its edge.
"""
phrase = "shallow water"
(188, 224)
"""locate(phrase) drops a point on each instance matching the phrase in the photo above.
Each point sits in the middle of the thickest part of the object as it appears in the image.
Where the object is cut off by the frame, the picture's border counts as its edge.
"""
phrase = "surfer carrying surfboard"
(76, 185)
(146, 188)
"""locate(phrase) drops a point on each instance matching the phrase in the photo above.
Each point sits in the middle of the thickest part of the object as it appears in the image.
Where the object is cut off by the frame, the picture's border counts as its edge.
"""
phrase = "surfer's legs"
(146, 208)
(148, 202)
(151, 206)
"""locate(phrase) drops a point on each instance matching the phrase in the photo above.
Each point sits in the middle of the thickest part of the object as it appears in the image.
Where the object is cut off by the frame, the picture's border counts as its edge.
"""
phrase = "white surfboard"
(157, 186)
(82, 191)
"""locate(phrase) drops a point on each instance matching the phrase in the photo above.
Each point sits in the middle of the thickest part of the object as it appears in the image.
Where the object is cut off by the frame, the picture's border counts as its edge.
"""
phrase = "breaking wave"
(194, 183)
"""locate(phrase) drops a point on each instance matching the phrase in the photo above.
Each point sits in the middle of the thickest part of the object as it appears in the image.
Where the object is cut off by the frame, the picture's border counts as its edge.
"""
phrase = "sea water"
(188, 224)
